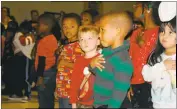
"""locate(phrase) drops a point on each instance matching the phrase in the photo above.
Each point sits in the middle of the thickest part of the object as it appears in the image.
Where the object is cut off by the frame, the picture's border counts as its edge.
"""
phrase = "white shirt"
(26, 50)
(162, 91)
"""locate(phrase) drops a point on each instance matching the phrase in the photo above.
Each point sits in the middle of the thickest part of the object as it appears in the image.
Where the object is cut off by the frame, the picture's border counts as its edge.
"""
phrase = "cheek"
(160, 39)
(93, 42)
(173, 41)
(64, 31)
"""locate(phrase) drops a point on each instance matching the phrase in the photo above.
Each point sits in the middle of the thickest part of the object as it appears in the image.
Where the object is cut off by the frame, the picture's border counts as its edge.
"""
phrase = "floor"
(5, 103)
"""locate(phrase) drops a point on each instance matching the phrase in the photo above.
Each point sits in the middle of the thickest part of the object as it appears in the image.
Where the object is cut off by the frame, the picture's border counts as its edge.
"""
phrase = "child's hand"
(40, 82)
(59, 50)
(130, 93)
(170, 64)
(74, 106)
(96, 62)
(56, 95)
(33, 84)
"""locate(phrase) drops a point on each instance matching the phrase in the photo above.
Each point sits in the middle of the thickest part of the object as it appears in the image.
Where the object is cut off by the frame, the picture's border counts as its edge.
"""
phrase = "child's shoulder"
(72, 45)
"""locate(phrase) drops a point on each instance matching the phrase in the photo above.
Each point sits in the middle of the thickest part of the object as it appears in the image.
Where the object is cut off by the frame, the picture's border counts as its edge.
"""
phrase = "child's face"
(70, 27)
(168, 38)
(86, 19)
(4, 12)
(42, 27)
(108, 33)
(137, 10)
(34, 16)
(88, 41)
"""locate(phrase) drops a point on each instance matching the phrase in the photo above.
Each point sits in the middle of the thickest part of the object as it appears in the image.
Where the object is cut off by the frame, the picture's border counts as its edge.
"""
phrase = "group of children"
(87, 76)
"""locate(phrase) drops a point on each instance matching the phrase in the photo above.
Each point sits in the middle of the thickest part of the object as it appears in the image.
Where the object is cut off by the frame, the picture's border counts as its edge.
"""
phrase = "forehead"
(34, 13)
(4, 9)
(85, 15)
(69, 21)
(88, 34)
(105, 21)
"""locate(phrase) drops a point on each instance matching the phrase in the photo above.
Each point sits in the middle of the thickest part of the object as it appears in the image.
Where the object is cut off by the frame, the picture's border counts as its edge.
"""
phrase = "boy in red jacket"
(82, 80)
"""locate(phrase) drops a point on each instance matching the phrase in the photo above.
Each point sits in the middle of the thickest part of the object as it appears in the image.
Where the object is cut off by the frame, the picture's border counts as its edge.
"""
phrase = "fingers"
(128, 95)
(131, 92)
(99, 68)
(174, 67)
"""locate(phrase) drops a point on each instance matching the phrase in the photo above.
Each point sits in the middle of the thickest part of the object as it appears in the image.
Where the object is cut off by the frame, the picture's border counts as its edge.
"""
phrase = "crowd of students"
(93, 66)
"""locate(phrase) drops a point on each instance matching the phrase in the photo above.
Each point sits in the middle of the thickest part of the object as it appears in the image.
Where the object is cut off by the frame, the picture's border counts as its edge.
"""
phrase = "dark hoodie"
(112, 83)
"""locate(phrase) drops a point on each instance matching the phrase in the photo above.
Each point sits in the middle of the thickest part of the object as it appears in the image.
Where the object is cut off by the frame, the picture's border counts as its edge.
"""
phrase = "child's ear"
(98, 42)
(118, 30)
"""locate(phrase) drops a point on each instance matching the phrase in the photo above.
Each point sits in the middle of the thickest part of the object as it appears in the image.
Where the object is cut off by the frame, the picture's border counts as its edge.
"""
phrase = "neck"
(73, 39)
(91, 54)
(170, 51)
(45, 34)
(149, 23)
(117, 43)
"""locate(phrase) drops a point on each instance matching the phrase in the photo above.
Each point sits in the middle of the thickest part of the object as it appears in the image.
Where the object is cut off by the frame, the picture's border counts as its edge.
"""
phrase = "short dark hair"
(48, 20)
(25, 27)
(8, 10)
(73, 15)
(32, 11)
(92, 12)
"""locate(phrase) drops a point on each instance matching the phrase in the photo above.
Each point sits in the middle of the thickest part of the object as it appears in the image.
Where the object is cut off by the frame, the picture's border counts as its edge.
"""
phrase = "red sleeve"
(151, 42)
(41, 48)
(22, 40)
(47, 46)
(74, 83)
(132, 40)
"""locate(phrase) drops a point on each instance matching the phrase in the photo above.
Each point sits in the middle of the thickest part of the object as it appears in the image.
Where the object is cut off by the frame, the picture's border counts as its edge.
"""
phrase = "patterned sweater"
(112, 83)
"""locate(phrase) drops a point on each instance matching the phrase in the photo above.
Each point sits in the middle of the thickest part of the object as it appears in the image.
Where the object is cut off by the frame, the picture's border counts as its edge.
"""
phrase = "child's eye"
(90, 38)
(102, 30)
(64, 27)
(170, 32)
(162, 32)
(81, 39)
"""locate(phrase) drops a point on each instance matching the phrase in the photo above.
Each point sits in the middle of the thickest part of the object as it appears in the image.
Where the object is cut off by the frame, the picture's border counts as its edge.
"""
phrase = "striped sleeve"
(123, 70)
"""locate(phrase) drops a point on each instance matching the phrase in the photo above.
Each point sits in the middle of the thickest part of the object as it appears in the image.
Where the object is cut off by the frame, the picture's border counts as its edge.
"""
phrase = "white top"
(163, 91)
(26, 50)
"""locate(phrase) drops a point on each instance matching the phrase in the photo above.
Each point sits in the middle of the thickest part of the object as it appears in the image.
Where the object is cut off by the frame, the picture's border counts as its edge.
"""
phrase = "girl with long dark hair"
(161, 67)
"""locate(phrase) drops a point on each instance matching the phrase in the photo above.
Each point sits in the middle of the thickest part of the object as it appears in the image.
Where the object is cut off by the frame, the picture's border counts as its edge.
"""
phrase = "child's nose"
(85, 41)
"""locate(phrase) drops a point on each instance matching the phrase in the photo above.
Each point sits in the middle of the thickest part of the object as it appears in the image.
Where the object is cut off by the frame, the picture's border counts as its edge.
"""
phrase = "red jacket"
(139, 55)
(76, 80)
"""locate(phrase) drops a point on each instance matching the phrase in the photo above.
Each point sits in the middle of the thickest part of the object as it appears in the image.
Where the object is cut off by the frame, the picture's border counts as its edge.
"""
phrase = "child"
(70, 52)
(82, 86)
(7, 64)
(88, 16)
(161, 67)
(142, 42)
(23, 43)
(45, 61)
(112, 82)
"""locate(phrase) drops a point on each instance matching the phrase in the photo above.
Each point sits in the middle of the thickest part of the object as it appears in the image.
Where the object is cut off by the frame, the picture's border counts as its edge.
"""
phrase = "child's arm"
(26, 40)
(40, 70)
(74, 84)
(151, 72)
(121, 81)
(63, 62)
(173, 80)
